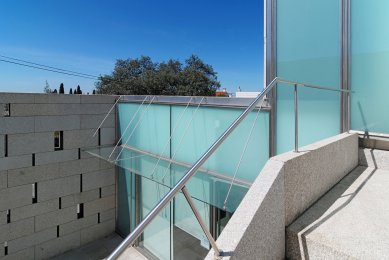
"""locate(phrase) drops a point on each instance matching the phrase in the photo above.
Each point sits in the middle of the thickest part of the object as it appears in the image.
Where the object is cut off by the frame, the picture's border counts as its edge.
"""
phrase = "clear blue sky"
(88, 37)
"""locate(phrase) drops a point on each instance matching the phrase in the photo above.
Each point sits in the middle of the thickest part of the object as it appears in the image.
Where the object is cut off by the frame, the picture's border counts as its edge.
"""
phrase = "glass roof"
(208, 186)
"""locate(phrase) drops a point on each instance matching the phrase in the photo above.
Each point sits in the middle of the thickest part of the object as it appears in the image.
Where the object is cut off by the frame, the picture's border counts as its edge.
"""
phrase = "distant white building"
(246, 94)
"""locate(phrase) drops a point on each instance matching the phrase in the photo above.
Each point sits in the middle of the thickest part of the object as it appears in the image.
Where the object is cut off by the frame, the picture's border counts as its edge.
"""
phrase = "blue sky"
(88, 37)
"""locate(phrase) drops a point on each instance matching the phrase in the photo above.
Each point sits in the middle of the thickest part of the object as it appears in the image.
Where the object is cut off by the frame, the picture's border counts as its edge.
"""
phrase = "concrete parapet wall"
(288, 185)
(314, 170)
(50, 225)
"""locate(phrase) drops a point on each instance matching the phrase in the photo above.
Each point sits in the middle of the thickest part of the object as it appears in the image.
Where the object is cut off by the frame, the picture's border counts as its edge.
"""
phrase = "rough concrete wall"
(314, 170)
(257, 230)
(64, 178)
(288, 185)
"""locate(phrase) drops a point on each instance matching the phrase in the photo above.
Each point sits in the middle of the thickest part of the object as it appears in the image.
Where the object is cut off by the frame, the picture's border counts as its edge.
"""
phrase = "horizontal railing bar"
(370, 134)
(292, 83)
(207, 102)
(220, 101)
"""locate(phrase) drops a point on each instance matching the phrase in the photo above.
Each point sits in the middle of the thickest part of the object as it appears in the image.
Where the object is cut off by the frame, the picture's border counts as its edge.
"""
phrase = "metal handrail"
(279, 80)
(180, 186)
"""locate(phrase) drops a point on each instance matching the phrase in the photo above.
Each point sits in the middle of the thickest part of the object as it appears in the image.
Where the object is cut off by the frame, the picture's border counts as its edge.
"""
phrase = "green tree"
(129, 77)
(61, 89)
(55, 91)
(70, 91)
(79, 91)
(94, 92)
(198, 78)
(142, 76)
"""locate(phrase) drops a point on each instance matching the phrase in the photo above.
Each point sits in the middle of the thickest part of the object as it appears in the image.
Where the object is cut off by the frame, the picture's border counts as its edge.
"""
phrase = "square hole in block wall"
(7, 109)
(58, 140)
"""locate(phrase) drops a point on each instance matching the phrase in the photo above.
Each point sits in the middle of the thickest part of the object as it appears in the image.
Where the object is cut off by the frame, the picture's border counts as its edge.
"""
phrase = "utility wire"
(47, 68)
(50, 67)
(56, 71)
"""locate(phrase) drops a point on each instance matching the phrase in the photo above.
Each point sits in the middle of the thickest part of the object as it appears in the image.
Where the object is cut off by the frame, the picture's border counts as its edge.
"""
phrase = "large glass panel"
(308, 51)
(189, 240)
(369, 63)
(126, 202)
(318, 116)
(157, 236)
(201, 128)
(146, 127)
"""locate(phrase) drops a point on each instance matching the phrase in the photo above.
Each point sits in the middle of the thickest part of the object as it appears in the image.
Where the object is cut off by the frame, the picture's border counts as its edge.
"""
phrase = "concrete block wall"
(62, 179)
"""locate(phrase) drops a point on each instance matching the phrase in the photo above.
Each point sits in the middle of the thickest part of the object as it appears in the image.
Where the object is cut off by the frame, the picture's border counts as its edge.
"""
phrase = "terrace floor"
(349, 222)
(100, 249)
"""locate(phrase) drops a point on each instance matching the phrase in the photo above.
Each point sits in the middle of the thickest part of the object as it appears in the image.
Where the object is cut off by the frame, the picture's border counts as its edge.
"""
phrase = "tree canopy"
(142, 76)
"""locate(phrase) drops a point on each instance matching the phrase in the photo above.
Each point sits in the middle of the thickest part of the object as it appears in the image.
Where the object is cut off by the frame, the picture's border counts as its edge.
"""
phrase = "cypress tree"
(70, 91)
(61, 89)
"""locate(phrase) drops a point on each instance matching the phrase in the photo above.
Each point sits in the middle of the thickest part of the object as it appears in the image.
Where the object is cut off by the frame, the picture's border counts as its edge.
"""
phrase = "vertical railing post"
(296, 121)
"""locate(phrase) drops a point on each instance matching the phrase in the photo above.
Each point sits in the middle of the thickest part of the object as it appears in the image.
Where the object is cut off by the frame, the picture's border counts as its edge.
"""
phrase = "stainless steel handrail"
(131, 238)
(279, 80)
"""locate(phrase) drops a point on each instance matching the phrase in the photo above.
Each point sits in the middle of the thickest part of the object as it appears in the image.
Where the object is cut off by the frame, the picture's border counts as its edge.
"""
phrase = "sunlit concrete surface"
(100, 249)
(349, 222)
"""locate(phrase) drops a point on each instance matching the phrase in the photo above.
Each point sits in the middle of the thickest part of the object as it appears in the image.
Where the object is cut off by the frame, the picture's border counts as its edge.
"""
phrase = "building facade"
(53, 196)
(338, 44)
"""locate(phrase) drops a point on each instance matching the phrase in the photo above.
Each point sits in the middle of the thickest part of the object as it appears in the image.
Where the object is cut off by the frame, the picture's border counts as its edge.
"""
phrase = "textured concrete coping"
(316, 169)
(288, 185)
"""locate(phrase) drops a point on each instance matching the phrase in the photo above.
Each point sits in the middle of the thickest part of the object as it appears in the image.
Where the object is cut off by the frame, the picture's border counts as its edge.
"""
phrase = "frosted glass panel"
(157, 236)
(186, 220)
(308, 49)
(193, 132)
(149, 129)
(126, 202)
(369, 65)
(202, 129)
